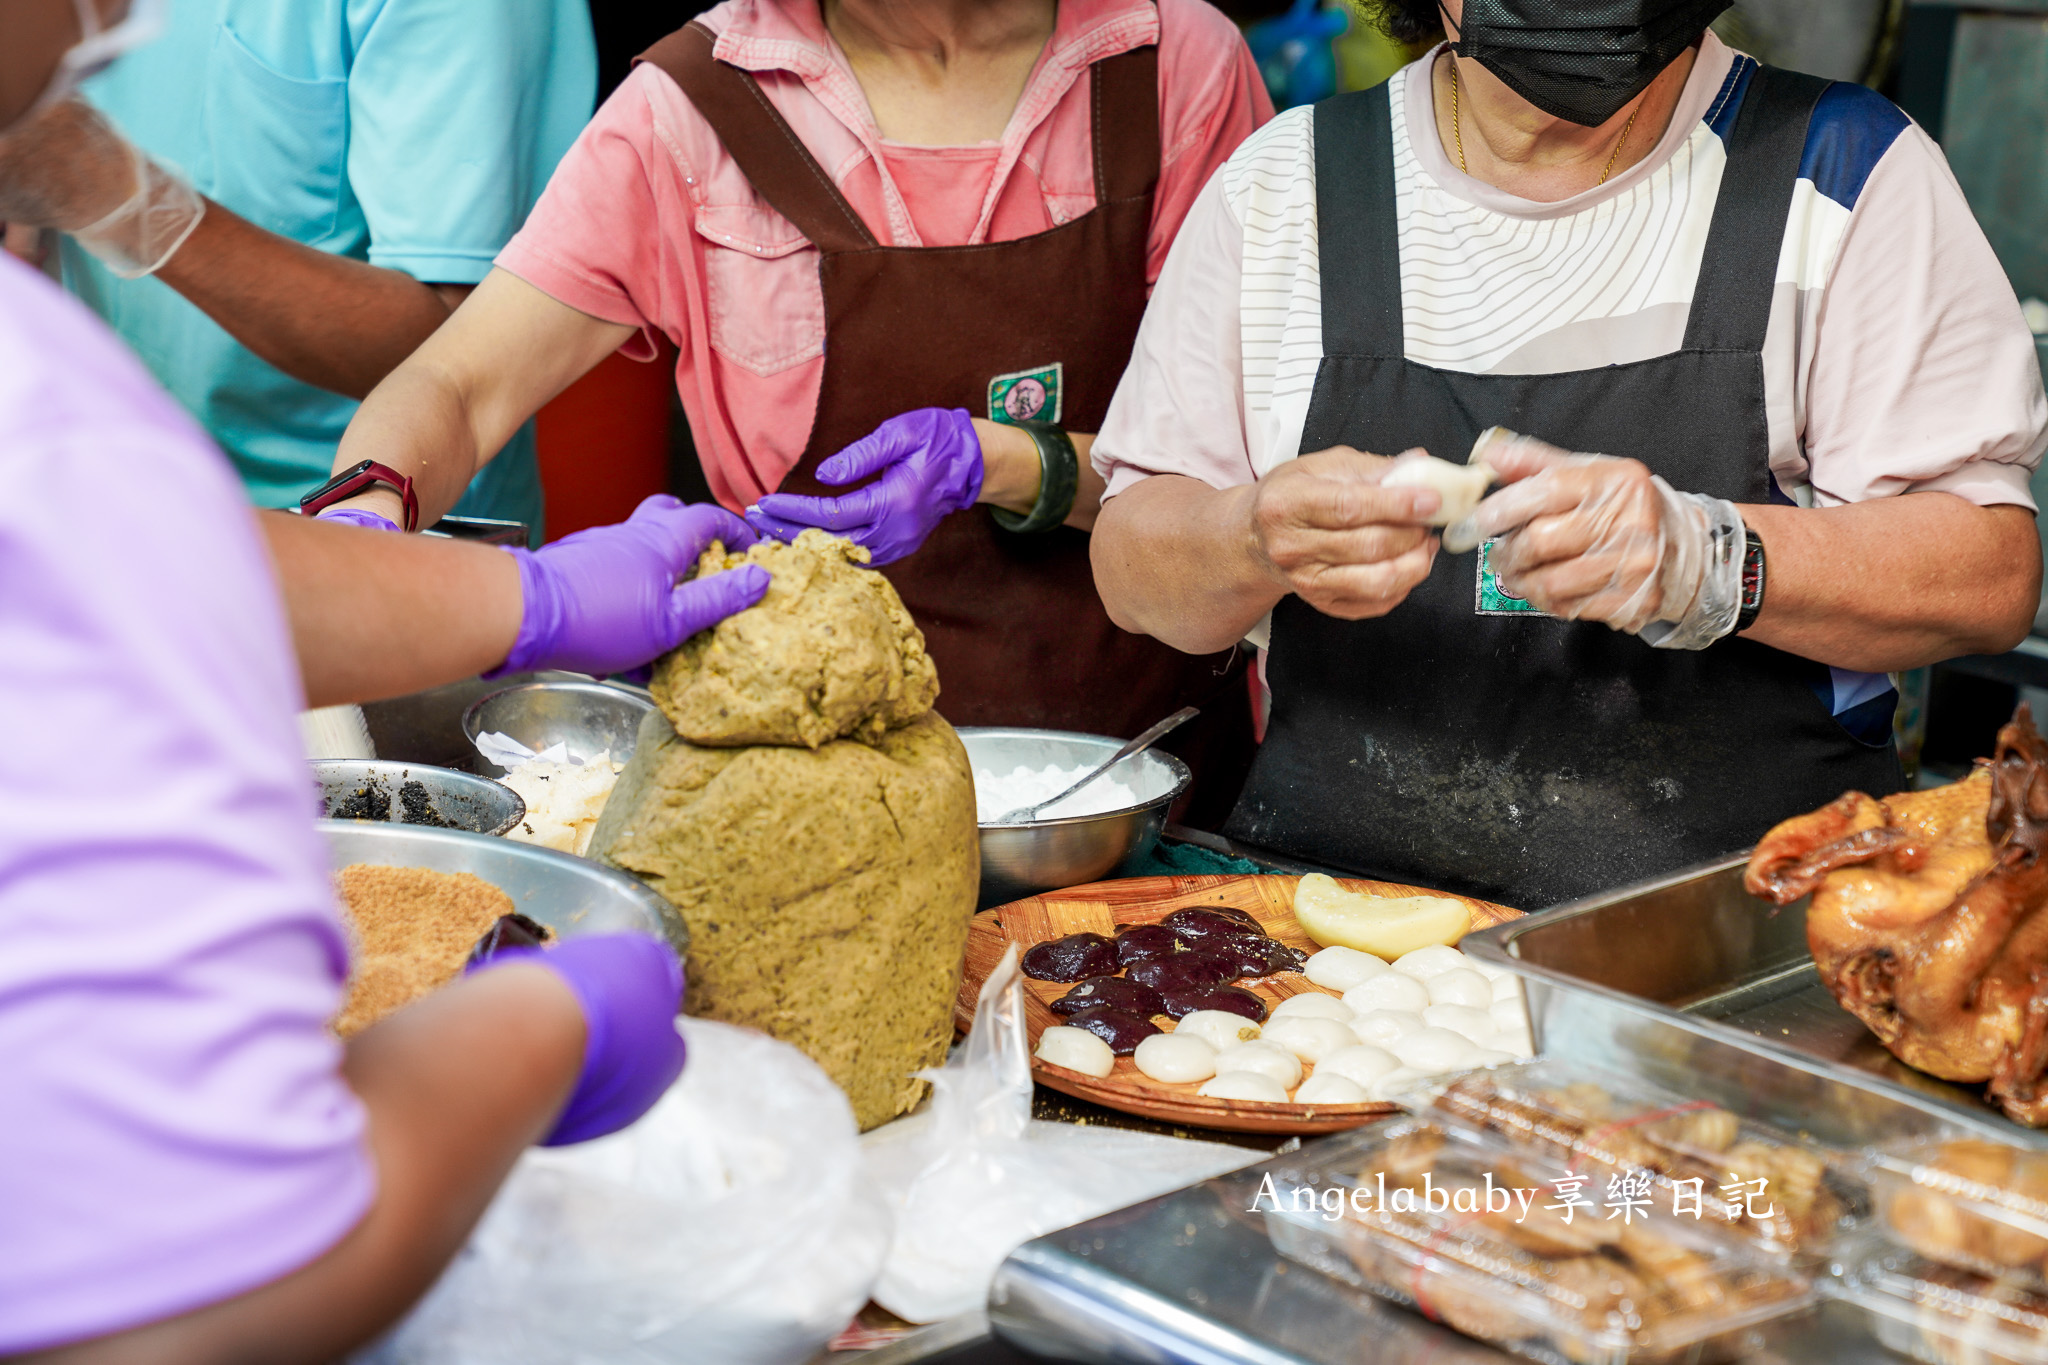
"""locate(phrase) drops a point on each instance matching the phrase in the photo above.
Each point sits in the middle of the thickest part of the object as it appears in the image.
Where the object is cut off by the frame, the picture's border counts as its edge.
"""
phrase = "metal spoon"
(1136, 746)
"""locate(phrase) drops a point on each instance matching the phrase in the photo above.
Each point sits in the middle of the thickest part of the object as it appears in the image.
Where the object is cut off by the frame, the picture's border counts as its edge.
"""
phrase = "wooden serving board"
(1099, 908)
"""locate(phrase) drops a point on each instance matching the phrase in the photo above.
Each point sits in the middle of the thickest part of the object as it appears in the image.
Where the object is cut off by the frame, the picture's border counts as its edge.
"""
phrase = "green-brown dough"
(827, 891)
(829, 652)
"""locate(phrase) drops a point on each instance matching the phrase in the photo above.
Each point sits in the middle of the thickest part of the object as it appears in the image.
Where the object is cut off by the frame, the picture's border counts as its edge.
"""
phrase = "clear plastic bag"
(1484, 1239)
(1966, 1202)
(973, 1177)
(1786, 1196)
(1940, 1314)
(733, 1223)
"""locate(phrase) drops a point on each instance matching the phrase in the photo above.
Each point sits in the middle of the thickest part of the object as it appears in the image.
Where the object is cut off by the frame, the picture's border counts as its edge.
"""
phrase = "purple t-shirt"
(174, 1129)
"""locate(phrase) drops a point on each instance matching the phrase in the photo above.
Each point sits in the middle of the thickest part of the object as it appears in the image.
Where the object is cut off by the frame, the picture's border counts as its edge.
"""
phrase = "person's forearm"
(376, 615)
(1175, 559)
(456, 1086)
(416, 422)
(327, 320)
(454, 403)
(1898, 582)
(1011, 472)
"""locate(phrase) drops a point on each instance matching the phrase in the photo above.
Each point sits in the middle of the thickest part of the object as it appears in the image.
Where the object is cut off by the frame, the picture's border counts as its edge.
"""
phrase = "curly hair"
(1405, 21)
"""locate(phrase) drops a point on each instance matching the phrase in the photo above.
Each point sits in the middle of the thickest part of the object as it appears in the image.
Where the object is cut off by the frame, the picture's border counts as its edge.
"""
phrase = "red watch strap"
(358, 479)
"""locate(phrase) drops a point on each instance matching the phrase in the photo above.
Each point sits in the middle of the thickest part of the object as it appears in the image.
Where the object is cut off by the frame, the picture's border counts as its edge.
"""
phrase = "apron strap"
(1361, 265)
(1124, 97)
(1731, 306)
(776, 162)
(1361, 261)
(1124, 94)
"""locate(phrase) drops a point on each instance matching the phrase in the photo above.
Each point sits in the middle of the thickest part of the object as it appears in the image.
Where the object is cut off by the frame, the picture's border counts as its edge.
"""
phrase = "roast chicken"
(1929, 918)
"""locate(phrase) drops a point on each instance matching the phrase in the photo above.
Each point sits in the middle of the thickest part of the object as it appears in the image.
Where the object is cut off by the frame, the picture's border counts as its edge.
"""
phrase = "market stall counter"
(1687, 1043)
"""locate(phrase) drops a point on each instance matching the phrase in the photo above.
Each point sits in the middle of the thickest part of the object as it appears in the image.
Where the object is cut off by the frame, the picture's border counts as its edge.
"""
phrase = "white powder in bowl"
(996, 794)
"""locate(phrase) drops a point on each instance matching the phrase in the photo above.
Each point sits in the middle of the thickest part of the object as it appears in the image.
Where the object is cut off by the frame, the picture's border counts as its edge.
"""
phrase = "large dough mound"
(827, 891)
(829, 653)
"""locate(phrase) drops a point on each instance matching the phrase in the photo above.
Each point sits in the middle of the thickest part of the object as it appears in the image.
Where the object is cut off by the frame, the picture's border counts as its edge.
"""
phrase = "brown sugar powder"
(413, 930)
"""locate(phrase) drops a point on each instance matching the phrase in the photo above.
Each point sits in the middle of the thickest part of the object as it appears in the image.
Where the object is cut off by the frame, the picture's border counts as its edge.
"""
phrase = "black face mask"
(1581, 60)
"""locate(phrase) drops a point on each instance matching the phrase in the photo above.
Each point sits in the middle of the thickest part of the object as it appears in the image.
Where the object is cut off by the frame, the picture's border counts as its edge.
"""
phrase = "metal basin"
(426, 727)
(1689, 981)
(1041, 855)
(369, 791)
(569, 895)
(588, 717)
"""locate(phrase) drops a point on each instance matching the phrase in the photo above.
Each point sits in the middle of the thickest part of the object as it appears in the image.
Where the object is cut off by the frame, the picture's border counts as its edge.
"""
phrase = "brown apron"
(1012, 621)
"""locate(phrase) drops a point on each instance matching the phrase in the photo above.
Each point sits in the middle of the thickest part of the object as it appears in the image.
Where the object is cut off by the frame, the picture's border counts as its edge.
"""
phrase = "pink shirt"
(649, 222)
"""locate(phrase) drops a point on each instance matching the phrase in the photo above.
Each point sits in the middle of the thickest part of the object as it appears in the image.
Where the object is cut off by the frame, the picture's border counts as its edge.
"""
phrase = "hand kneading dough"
(1077, 1049)
(827, 882)
(829, 653)
(1461, 486)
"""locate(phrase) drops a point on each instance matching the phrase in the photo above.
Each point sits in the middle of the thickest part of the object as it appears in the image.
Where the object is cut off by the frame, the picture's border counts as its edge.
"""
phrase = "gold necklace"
(1458, 131)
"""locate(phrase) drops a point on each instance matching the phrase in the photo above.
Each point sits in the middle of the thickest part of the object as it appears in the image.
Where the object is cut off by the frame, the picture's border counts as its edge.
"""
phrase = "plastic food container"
(1479, 1243)
(1966, 1202)
(1943, 1315)
(1701, 1159)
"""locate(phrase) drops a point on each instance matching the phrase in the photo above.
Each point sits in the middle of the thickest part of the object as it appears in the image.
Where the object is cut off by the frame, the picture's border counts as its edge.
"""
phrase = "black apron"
(1521, 758)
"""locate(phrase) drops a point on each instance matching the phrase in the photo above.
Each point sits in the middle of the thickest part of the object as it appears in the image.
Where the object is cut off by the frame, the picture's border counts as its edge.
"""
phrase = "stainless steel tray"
(1691, 982)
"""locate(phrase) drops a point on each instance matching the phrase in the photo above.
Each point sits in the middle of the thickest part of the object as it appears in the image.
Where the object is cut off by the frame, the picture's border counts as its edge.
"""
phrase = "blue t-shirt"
(414, 134)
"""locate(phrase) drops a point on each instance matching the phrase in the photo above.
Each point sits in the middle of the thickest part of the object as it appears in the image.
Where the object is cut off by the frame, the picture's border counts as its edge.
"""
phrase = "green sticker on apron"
(1026, 395)
(1493, 599)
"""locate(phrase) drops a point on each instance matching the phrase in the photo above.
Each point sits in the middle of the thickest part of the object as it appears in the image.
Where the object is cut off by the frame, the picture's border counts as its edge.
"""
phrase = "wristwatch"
(1753, 580)
(360, 478)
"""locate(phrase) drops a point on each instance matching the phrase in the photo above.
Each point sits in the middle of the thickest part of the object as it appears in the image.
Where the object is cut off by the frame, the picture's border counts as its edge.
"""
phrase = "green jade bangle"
(1059, 479)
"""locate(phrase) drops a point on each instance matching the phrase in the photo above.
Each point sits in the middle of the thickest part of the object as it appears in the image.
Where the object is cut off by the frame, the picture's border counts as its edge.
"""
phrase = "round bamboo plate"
(1099, 908)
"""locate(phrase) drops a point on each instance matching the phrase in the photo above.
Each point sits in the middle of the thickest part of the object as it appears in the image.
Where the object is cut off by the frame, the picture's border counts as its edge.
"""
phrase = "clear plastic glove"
(606, 600)
(1596, 538)
(631, 988)
(70, 170)
(356, 516)
(930, 463)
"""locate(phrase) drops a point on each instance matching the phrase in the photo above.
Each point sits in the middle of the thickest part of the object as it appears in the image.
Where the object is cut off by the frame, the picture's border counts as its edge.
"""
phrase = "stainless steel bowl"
(1022, 860)
(588, 717)
(426, 727)
(568, 895)
(462, 800)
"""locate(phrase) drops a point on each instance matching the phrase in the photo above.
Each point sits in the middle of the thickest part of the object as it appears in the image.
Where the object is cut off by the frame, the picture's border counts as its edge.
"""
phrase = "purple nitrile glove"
(606, 600)
(630, 987)
(355, 516)
(930, 463)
